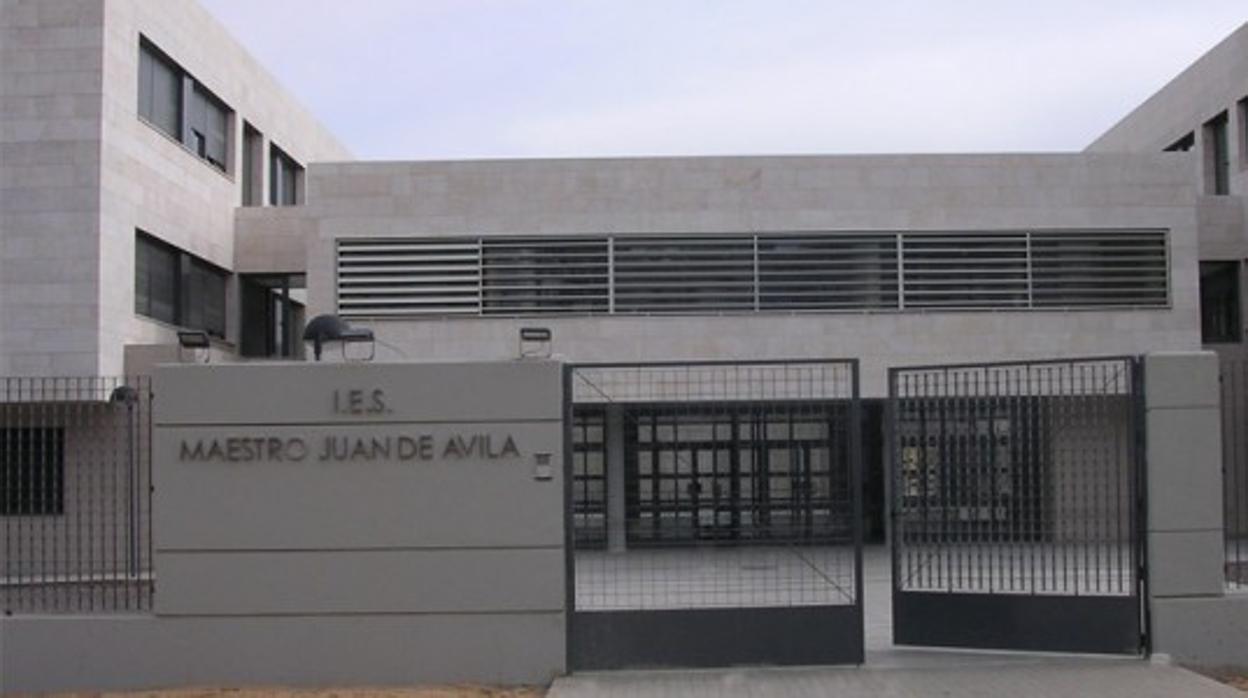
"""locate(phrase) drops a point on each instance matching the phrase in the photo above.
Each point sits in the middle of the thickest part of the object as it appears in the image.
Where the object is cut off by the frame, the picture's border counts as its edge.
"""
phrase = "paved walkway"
(892, 672)
(934, 674)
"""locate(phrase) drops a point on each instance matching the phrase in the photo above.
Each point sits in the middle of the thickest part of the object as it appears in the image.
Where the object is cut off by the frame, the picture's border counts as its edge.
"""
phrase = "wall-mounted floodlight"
(324, 329)
(194, 340)
(535, 342)
(124, 395)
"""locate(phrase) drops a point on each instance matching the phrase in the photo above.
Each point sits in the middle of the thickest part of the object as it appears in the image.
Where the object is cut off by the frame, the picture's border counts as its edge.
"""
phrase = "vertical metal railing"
(1017, 477)
(75, 495)
(740, 485)
(1234, 380)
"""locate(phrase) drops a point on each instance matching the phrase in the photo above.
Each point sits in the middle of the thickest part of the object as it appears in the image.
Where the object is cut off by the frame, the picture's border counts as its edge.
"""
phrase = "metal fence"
(1017, 478)
(715, 514)
(1235, 470)
(75, 495)
(736, 485)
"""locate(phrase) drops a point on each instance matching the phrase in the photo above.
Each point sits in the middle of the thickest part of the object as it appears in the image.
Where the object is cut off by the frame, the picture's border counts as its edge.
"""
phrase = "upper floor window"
(285, 177)
(1243, 133)
(182, 107)
(1219, 302)
(1217, 157)
(160, 92)
(209, 121)
(1182, 145)
(253, 165)
(177, 287)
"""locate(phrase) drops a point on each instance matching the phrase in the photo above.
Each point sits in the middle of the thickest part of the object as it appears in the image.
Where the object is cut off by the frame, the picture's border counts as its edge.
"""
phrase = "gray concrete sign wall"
(337, 524)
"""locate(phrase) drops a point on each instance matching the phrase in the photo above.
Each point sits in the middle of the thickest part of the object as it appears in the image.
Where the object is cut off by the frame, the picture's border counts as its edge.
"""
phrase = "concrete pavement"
(897, 672)
(922, 675)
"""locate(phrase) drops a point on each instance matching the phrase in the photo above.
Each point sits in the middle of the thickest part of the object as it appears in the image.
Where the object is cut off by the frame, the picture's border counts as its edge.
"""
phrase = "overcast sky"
(433, 79)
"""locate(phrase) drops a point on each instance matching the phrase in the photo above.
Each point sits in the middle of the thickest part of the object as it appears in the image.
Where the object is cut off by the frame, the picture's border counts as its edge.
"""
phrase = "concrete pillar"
(616, 515)
(1184, 474)
(1184, 452)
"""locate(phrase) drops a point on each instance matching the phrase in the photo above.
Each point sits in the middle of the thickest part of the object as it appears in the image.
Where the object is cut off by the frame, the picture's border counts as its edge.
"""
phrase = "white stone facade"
(80, 171)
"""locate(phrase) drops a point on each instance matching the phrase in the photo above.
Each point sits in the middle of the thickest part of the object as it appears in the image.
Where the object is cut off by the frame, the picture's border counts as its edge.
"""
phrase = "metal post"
(617, 539)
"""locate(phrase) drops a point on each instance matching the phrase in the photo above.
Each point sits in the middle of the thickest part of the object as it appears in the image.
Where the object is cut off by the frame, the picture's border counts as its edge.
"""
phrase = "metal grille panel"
(1017, 478)
(738, 485)
(745, 273)
(690, 274)
(550, 276)
(727, 525)
(827, 272)
(1018, 496)
(1235, 470)
(965, 271)
(409, 277)
(75, 495)
(1099, 270)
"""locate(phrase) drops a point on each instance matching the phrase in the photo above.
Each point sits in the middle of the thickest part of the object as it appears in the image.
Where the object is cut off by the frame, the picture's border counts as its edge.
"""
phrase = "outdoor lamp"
(331, 328)
(195, 341)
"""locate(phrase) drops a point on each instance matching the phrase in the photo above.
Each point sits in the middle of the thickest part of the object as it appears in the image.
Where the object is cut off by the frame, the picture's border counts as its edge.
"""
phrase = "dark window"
(174, 102)
(209, 119)
(1243, 133)
(284, 175)
(1183, 145)
(1218, 156)
(271, 314)
(203, 305)
(32, 471)
(156, 272)
(1219, 302)
(253, 165)
(178, 288)
(160, 91)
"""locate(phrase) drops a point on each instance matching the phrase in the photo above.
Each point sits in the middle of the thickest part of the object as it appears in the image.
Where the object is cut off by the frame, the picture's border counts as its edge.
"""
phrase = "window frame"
(150, 56)
(284, 169)
(1242, 132)
(1217, 155)
(195, 306)
(193, 98)
(1235, 333)
(252, 166)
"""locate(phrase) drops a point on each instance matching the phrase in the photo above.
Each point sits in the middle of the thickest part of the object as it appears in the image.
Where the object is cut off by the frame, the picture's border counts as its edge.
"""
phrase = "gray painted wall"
(1193, 619)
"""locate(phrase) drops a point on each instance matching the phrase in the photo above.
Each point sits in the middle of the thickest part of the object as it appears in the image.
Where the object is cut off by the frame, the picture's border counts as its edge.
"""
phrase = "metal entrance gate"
(1018, 493)
(714, 514)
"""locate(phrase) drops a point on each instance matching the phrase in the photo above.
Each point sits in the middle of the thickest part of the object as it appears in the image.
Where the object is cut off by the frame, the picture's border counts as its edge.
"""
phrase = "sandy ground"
(1234, 680)
(1239, 682)
(428, 692)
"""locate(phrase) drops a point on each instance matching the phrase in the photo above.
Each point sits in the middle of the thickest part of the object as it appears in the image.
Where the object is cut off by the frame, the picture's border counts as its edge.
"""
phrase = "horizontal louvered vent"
(1099, 269)
(524, 276)
(827, 272)
(690, 274)
(407, 277)
(965, 271)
